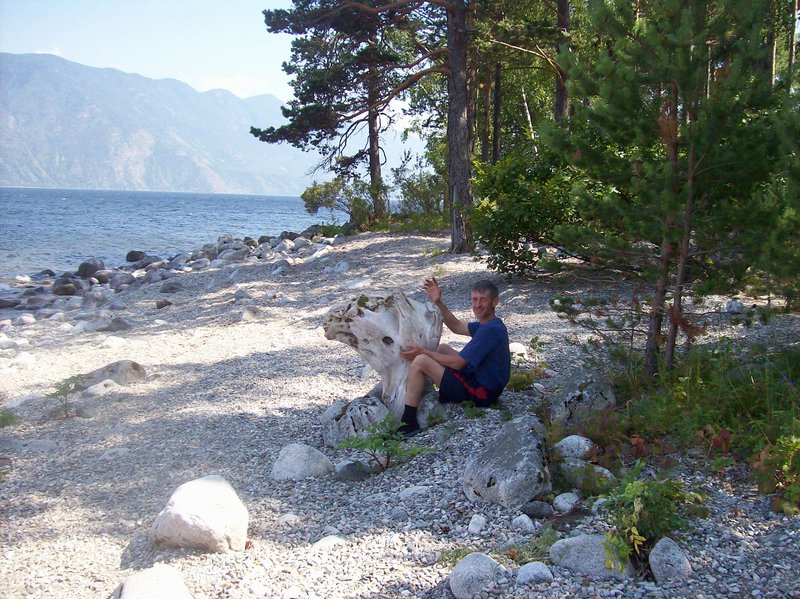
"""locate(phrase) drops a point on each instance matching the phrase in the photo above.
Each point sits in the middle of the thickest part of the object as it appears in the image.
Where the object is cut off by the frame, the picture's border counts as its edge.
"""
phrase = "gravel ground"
(224, 394)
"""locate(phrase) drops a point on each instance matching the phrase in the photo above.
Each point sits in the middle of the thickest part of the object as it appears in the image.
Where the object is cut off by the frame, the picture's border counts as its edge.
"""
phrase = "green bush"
(7, 418)
(642, 512)
(384, 443)
(521, 200)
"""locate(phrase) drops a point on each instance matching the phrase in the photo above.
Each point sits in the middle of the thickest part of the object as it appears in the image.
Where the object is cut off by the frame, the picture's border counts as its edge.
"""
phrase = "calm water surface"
(60, 228)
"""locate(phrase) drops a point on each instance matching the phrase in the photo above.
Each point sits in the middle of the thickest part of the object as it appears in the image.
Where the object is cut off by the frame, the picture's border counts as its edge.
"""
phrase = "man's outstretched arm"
(451, 322)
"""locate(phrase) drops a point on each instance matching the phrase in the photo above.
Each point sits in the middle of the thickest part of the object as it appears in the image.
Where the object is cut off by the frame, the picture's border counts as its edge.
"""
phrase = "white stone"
(574, 446)
(204, 513)
(524, 524)
(473, 574)
(668, 562)
(511, 469)
(24, 319)
(534, 573)
(159, 582)
(297, 461)
(476, 524)
(328, 542)
(565, 503)
(586, 554)
(518, 351)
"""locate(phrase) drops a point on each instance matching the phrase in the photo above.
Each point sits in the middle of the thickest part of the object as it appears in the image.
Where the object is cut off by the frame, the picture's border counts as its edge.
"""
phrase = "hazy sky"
(205, 43)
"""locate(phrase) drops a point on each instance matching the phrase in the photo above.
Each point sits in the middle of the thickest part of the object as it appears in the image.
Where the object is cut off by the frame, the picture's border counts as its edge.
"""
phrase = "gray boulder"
(171, 286)
(234, 255)
(206, 514)
(89, 267)
(586, 554)
(574, 446)
(352, 470)
(512, 468)
(668, 562)
(565, 503)
(534, 573)
(589, 394)
(121, 280)
(473, 574)
(587, 477)
(159, 582)
(348, 419)
(297, 461)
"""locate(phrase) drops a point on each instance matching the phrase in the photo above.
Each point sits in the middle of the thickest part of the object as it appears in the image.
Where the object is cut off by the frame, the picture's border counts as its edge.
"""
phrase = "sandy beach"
(237, 368)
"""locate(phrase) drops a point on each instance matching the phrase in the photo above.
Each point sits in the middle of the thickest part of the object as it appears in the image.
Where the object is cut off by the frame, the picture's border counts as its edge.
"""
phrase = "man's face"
(483, 305)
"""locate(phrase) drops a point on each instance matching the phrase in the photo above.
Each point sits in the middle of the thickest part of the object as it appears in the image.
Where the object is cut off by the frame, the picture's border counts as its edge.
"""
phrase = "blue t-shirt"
(487, 354)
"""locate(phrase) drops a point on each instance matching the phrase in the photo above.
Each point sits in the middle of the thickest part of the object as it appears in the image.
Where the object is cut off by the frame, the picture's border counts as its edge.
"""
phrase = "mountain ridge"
(67, 125)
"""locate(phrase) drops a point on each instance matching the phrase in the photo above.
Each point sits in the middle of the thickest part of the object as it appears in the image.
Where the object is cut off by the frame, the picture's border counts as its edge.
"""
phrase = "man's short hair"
(485, 285)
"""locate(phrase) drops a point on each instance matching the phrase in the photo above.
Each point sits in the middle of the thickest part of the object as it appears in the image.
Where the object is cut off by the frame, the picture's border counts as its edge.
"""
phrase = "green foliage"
(748, 406)
(519, 203)
(351, 198)
(472, 411)
(642, 512)
(537, 550)
(778, 471)
(384, 443)
(451, 557)
(61, 393)
(422, 188)
(8, 418)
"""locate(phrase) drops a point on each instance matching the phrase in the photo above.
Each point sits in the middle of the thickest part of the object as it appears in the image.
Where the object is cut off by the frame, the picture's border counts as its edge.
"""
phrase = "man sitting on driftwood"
(478, 373)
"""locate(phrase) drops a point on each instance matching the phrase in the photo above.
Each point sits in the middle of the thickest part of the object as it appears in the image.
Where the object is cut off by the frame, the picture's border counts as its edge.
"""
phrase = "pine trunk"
(375, 177)
(460, 190)
(496, 115)
(561, 96)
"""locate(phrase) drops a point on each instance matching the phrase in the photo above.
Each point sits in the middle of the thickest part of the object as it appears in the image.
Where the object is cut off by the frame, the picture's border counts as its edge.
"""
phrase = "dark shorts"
(458, 387)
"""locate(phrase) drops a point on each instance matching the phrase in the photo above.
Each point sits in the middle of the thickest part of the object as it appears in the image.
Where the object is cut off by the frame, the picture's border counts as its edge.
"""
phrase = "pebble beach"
(237, 368)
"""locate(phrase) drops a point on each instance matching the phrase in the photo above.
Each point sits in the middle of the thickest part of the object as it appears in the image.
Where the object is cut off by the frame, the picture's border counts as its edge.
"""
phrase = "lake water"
(60, 228)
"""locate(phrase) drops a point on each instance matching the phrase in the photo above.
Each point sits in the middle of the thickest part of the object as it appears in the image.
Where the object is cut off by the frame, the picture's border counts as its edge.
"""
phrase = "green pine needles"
(384, 444)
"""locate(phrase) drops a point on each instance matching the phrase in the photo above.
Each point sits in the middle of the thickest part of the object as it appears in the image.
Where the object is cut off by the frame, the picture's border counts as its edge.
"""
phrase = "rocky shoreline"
(237, 368)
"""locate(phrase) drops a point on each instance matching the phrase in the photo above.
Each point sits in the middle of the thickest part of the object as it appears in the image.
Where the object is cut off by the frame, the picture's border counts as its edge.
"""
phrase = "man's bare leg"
(422, 367)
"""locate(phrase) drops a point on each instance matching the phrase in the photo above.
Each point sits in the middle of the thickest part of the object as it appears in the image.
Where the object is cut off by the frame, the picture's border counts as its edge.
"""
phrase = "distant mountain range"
(66, 125)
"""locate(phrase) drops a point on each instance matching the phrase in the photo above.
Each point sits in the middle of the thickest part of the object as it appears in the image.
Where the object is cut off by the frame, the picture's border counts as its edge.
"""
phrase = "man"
(478, 373)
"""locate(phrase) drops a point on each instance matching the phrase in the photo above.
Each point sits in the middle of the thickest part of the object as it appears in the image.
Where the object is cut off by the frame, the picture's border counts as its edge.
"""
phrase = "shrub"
(519, 203)
(61, 393)
(7, 418)
(642, 512)
(384, 443)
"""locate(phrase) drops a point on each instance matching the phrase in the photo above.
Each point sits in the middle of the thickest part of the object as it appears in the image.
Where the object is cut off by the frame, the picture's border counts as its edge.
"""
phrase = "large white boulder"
(159, 582)
(512, 468)
(473, 574)
(205, 513)
(668, 562)
(586, 554)
(297, 461)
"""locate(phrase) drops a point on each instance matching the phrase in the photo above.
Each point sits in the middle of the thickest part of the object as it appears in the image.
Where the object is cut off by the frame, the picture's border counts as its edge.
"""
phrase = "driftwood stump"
(377, 326)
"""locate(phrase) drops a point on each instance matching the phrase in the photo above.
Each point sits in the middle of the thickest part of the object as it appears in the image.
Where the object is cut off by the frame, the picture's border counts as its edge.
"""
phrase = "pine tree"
(674, 120)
